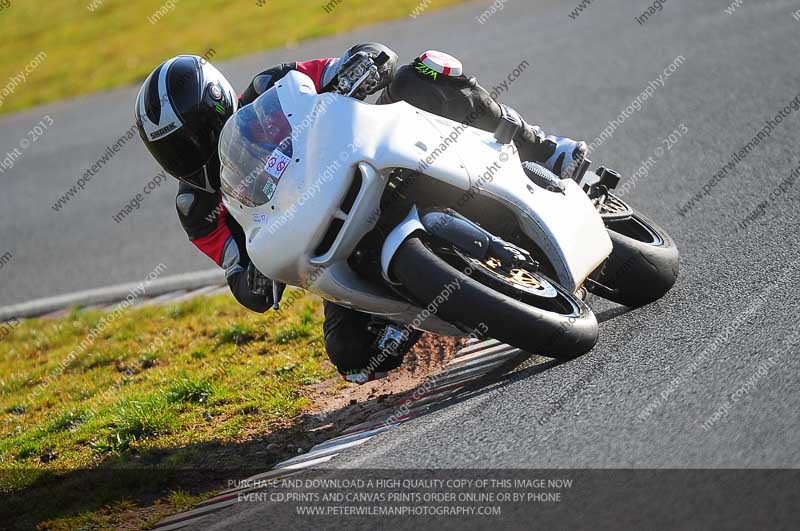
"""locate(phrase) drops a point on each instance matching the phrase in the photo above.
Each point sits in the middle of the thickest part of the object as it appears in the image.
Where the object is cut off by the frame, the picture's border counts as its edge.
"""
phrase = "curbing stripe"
(491, 352)
(475, 366)
(348, 438)
(431, 398)
(201, 511)
(311, 456)
(458, 380)
(478, 363)
(462, 372)
(111, 294)
(271, 475)
(477, 346)
(193, 515)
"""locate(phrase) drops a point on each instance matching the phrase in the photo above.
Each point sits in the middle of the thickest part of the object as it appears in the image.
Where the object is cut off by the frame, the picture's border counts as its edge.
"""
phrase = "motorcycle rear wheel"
(644, 264)
(523, 309)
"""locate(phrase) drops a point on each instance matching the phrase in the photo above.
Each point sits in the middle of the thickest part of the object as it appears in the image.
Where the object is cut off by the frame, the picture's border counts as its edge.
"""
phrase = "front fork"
(450, 227)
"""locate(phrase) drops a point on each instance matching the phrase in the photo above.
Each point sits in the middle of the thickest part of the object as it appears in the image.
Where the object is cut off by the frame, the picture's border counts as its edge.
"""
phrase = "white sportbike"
(431, 224)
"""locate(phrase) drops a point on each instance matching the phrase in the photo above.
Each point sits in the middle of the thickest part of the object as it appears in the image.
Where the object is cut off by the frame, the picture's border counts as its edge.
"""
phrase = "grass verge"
(92, 45)
(163, 399)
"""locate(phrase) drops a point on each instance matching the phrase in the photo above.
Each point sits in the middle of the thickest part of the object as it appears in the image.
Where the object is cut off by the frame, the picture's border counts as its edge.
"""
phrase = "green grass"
(160, 388)
(115, 44)
(191, 390)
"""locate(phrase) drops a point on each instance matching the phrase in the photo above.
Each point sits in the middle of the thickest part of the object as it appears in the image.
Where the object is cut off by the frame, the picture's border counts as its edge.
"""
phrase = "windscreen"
(255, 148)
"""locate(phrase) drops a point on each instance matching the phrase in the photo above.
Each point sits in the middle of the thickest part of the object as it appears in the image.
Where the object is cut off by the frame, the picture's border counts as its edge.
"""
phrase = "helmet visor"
(182, 153)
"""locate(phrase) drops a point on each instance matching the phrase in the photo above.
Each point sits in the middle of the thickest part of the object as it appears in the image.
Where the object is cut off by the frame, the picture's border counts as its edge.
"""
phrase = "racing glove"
(251, 288)
(354, 55)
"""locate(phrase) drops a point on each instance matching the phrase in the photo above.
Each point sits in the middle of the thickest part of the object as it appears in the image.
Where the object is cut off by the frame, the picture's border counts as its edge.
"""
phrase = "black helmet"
(181, 109)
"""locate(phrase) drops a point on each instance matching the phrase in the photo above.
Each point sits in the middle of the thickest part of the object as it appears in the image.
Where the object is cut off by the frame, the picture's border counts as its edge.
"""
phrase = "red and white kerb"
(442, 63)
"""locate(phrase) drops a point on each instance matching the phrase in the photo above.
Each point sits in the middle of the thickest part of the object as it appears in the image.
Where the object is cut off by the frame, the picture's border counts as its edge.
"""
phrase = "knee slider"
(185, 202)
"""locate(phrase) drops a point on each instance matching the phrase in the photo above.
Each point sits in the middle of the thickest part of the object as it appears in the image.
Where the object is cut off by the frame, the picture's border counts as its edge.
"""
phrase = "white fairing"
(333, 139)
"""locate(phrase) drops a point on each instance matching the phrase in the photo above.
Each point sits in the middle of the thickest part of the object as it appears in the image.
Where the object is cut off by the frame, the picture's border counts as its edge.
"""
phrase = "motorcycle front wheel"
(516, 306)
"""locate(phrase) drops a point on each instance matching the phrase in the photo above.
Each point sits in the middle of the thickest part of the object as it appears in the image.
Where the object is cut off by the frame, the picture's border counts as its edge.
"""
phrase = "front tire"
(561, 326)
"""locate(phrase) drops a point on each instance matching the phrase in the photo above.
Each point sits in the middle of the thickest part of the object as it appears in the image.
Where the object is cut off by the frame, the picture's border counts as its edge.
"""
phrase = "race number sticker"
(277, 164)
(270, 187)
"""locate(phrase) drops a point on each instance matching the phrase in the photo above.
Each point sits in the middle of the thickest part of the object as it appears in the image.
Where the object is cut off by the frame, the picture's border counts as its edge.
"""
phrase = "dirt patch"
(339, 405)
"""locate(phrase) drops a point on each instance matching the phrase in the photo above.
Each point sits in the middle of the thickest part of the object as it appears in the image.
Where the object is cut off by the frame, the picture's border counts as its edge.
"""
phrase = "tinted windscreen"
(248, 140)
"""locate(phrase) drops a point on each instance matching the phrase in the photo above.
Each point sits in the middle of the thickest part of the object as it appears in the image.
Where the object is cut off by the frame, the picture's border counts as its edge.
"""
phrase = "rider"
(181, 109)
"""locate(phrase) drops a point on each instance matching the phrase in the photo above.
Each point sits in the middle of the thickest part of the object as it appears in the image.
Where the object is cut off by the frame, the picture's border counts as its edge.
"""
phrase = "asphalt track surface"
(725, 337)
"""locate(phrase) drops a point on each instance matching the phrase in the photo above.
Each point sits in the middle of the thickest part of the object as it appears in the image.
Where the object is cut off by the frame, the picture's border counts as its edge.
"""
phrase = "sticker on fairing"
(270, 187)
(277, 164)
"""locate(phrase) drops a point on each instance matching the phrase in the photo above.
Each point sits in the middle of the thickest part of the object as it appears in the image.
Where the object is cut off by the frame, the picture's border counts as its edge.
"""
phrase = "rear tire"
(567, 329)
(643, 265)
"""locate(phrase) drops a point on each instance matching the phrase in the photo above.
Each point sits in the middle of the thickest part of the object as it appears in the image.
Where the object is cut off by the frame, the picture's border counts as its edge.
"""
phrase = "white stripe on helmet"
(168, 121)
